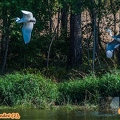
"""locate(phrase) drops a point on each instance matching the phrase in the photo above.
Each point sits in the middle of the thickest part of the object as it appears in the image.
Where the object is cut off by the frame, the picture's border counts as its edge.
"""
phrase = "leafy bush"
(90, 88)
(67, 93)
(18, 89)
(35, 90)
(109, 84)
(75, 90)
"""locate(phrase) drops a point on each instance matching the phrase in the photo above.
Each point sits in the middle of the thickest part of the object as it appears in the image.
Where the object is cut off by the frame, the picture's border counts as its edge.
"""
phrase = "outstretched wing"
(110, 48)
(27, 14)
(116, 38)
(26, 30)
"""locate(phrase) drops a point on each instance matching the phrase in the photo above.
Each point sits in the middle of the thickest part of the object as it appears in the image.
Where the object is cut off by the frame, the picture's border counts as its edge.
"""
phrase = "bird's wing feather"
(26, 30)
(112, 45)
(116, 38)
(110, 48)
(27, 14)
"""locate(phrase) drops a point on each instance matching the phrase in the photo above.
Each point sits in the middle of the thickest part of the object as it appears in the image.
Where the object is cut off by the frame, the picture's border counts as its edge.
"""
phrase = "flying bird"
(28, 22)
(111, 46)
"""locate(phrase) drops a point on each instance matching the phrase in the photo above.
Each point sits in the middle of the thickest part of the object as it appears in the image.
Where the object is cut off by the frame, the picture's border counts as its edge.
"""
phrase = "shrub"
(18, 89)
(109, 84)
(90, 88)
(75, 90)
(33, 89)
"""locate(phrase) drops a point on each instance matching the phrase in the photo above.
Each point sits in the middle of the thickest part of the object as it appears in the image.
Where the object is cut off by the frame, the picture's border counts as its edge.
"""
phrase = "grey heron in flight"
(28, 22)
(111, 46)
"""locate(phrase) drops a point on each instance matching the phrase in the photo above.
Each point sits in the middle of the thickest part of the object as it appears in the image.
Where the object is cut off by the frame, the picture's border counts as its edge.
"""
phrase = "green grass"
(88, 89)
(35, 91)
(28, 90)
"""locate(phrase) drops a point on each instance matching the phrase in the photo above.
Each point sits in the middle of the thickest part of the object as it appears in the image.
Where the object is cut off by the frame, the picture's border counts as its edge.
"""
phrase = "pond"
(35, 114)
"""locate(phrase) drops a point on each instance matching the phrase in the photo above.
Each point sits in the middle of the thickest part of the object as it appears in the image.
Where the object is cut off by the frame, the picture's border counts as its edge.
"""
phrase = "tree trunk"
(75, 58)
(94, 42)
(64, 20)
(114, 14)
(5, 38)
(94, 30)
(5, 53)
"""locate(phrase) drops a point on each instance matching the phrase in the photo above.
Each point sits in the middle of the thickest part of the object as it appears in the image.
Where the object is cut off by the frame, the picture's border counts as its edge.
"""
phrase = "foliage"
(109, 84)
(90, 88)
(18, 89)
(29, 87)
(35, 54)
(33, 90)
(75, 90)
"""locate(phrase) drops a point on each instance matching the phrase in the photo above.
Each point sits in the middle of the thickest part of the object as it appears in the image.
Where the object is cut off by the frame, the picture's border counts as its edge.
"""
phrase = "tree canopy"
(67, 34)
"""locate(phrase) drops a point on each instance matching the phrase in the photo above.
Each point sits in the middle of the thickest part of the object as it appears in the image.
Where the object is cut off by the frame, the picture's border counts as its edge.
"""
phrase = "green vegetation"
(90, 88)
(27, 89)
(65, 61)
(55, 19)
(33, 90)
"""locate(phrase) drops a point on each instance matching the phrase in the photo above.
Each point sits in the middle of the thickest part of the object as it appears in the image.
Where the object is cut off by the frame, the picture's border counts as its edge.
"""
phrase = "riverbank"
(35, 91)
(55, 107)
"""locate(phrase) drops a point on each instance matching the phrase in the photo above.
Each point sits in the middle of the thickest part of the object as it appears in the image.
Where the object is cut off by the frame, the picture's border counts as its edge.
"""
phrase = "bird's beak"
(13, 19)
(106, 30)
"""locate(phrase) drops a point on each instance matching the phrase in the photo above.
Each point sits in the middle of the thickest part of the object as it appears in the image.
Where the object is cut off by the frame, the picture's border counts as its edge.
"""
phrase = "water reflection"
(33, 114)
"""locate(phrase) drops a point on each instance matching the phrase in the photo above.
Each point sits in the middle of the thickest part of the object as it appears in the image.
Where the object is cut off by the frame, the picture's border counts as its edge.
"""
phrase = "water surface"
(35, 114)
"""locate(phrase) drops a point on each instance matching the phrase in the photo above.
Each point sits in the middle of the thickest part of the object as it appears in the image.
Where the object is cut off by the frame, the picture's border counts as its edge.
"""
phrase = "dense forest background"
(68, 39)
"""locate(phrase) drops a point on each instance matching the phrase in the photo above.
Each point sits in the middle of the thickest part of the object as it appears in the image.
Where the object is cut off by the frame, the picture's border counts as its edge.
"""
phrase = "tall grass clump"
(90, 88)
(109, 84)
(76, 91)
(32, 89)
(27, 89)
(71, 92)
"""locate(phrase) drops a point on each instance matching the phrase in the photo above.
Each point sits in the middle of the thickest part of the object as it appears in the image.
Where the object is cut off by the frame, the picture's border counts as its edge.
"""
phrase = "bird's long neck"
(22, 20)
(19, 20)
(110, 33)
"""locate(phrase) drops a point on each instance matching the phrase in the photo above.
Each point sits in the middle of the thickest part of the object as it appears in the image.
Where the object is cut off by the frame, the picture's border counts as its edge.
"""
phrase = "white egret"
(28, 21)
